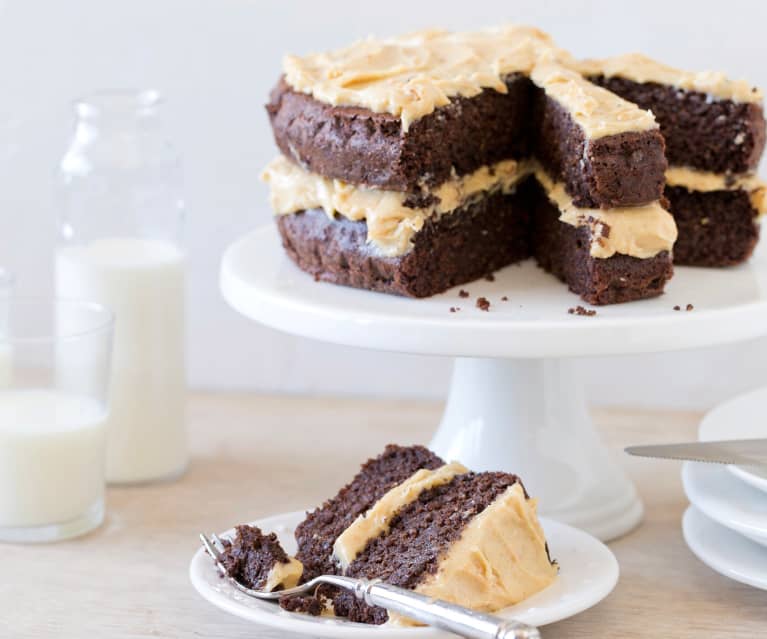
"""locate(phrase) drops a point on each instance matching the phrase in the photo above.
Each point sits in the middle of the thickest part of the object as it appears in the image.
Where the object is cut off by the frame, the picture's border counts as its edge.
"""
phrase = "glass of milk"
(53, 415)
(120, 226)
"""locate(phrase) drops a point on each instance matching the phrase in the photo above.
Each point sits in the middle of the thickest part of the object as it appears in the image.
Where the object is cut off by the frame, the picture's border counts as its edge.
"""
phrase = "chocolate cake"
(258, 561)
(409, 165)
(413, 521)
(715, 135)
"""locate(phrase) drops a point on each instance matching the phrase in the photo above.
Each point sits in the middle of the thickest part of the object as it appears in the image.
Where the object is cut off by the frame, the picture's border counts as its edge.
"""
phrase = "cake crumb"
(490, 277)
(504, 299)
(677, 308)
(580, 310)
(463, 293)
(483, 304)
(689, 307)
(455, 309)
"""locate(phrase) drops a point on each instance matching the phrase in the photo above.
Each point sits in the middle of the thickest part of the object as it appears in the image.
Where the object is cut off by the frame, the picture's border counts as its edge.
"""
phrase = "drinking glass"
(53, 409)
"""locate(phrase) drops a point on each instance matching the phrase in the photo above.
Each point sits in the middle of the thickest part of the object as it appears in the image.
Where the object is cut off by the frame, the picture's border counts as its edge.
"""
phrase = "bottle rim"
(104, 102)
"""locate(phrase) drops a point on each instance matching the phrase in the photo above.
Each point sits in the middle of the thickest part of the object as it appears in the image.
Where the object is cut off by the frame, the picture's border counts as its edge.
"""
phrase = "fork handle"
(441, 614)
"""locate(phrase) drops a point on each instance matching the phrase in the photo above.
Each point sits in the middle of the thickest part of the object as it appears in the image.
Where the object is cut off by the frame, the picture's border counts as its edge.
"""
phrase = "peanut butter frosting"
(499, 559)
(284, 574)
(695, 180)
(639, 68)
(597, 111)
(376, 520)
(641, 231)
(638, 231)
(390, 224)
(412, 75)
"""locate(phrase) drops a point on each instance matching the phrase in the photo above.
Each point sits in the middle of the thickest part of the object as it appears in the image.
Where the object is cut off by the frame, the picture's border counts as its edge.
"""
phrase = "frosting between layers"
(284, 574)
(638, 231)
(694, 180)
(597, 111)
(377, 519)
(639, 68)
(390, 224)
(499, 559)
(412, 75)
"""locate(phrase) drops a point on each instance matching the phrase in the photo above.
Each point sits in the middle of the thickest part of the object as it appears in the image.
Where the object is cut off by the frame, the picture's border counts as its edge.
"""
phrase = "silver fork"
(433, 612)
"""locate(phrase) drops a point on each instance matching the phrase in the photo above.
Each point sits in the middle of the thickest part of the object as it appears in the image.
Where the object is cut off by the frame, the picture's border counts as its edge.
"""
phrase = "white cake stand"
(516, 401)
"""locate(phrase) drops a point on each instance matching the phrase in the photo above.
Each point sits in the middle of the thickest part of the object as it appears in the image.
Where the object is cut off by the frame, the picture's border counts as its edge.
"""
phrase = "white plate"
(726, 499)
(588, 574)
(725, 551)
(740, 418)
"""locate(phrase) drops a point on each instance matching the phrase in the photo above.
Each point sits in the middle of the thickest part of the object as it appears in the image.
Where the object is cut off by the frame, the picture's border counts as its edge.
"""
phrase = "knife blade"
(742, 452)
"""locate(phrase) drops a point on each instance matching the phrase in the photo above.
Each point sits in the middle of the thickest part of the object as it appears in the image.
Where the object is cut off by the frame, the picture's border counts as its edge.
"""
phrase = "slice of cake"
(714, 129)
(407, 166)
(413, 521)
(258, 561)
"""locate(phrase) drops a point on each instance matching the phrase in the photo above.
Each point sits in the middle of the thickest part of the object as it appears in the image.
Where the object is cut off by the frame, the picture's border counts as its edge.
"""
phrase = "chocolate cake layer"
(367, 148)
(626, 169)
(716, 228)
(251, 556)
(419, 536)
(563, 250)
(453, 249)
(364, 147)
(317, 533)
(705, 133)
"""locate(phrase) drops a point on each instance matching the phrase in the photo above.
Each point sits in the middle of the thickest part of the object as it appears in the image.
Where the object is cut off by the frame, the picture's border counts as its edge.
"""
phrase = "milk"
(142, 282)
(51, 457)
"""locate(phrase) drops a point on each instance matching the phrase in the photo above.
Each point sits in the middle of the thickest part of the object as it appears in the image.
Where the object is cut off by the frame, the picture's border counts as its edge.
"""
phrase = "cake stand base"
(529, 417)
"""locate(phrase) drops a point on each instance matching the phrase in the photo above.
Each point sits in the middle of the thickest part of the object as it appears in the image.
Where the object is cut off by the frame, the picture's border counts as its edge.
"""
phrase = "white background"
(215, 61)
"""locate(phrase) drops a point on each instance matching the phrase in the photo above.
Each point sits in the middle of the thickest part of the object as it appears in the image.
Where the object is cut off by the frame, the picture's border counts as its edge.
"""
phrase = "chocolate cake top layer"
(721, 136)
(595, 110)
(412, 75)
(318, 532)
(258, 561)
(642, 69)
(368, 148)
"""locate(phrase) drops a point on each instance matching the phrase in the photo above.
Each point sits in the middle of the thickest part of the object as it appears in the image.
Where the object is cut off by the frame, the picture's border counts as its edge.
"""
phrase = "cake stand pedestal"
(516, 401)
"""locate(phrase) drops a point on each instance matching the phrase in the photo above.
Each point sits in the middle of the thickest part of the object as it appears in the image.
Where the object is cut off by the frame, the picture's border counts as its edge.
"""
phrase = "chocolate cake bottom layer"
(455, 249)
(563, 250)
(716, 228)
(468, 244)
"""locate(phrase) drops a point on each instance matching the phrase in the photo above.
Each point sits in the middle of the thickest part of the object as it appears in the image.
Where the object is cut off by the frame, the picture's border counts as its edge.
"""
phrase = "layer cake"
(415, 164)
(414, 521)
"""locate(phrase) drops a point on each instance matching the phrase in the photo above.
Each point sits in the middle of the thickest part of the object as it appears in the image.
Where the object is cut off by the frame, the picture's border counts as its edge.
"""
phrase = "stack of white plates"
(726, 525)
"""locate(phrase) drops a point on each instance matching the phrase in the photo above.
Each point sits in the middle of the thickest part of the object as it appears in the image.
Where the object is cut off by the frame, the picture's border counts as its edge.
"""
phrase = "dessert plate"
(725, 551)
(588, 574)
(740, 418)
(726, 500)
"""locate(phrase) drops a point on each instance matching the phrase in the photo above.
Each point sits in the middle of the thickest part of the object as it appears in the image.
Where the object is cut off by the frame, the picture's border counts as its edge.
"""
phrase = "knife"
(743, 452)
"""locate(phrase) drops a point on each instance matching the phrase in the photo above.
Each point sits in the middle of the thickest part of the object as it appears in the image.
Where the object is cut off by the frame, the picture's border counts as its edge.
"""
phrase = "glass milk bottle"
(121, 219)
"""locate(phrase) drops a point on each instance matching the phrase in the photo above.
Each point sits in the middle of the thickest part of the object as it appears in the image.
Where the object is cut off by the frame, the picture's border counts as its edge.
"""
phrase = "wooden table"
(254, 456)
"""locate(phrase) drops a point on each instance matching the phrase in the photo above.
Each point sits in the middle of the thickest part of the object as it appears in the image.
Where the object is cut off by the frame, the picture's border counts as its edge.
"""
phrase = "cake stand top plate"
(730, 305)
